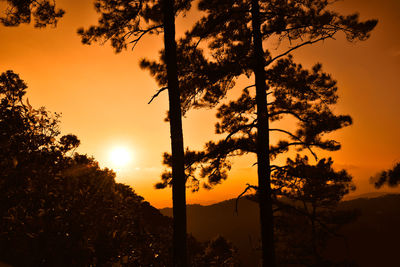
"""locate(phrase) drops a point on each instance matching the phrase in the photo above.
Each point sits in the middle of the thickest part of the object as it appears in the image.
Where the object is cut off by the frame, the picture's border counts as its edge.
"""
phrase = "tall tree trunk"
(263, 161)
(175, 116)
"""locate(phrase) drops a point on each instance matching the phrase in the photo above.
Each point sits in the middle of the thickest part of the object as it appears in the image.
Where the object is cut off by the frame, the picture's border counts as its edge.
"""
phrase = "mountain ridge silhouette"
(372, 238)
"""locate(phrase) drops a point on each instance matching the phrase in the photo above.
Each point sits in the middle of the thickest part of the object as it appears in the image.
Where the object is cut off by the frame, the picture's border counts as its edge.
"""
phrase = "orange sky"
(103, 97)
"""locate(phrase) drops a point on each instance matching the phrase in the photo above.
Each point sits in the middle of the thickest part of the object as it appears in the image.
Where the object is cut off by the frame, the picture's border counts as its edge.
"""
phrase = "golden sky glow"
(120, 157)
(103, 97)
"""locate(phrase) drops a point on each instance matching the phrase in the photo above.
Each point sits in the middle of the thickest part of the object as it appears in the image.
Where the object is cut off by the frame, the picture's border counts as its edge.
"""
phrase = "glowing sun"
(120, 157)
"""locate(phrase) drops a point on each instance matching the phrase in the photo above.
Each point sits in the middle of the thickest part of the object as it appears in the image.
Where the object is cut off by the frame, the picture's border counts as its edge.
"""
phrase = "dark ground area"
(372, 239)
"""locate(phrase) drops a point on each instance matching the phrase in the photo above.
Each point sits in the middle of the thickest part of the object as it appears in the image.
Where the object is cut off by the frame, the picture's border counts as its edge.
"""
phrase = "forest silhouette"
(59, 208)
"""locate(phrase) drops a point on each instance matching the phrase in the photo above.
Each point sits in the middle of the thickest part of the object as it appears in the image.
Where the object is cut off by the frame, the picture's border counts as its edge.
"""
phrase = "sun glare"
(120, 157)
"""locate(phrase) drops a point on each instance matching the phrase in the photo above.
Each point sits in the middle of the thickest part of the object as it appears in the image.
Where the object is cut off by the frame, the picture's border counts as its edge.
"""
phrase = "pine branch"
(289, 113)
(298, 46)
(241, 194)
(156, 94)
(140, 33)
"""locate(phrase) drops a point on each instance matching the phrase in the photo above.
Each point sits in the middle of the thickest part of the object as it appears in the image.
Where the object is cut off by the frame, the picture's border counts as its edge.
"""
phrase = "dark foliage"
(390, 177)
(58, 208)
(369, 241)
(125, 22)
(61, 209)
(299, 94)
(216, 252)
(295, 92)
(318, 184)
(234, 33)
(201, 82)
(307, 213)
(42, 12)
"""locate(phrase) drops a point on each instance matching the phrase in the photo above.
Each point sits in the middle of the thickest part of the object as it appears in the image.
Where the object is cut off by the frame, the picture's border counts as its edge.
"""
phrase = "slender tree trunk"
(263, 161)
(175, 116)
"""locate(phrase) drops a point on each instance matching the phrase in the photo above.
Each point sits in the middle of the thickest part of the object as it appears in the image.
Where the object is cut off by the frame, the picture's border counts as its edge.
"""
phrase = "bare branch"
(198, 42)
(247, 87)
(251, 125)
(158, 92)
(141, 33)
(289, 113)
(297, 138)
(276, 167)
(298, 46)
(249, 186)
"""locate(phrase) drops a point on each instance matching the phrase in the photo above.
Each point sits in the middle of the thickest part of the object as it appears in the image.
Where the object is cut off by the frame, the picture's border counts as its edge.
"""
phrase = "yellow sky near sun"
(103, 96)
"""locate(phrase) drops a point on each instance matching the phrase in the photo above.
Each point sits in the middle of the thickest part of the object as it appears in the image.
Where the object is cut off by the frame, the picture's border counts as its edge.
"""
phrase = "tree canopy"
(59, 208)
(306, 208)
(124, 23)
(42, 12)
(306, 96)
(233, 33)
(389, 177)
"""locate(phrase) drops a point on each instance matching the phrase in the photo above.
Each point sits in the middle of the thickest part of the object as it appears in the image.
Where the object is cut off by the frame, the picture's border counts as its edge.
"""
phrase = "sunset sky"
(103, 96)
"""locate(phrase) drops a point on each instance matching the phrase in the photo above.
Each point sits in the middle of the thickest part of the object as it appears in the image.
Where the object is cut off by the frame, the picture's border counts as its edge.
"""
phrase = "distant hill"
(206, 222)
(366, 195)
(373, 239)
